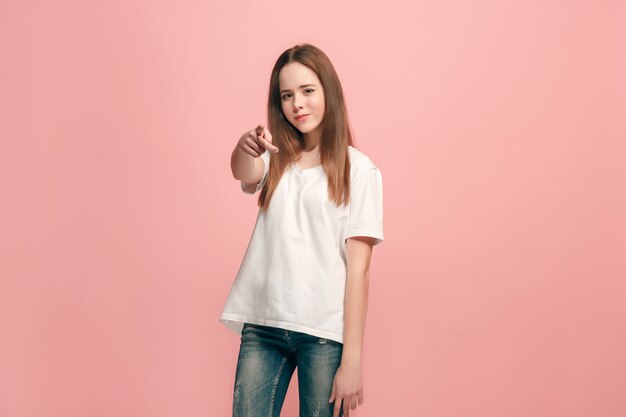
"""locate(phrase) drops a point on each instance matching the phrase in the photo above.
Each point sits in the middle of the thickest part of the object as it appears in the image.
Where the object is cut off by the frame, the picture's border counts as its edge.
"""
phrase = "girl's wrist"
(350, 361)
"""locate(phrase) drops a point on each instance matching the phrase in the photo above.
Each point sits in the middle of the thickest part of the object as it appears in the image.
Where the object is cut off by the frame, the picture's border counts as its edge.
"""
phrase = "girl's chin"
(302, 129)
(306, 130)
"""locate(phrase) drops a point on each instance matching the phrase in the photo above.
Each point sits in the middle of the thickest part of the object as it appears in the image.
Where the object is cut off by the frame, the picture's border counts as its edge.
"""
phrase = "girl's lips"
(301, 118)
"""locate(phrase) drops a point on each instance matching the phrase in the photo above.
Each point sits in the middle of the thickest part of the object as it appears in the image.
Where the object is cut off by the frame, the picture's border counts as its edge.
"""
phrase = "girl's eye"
(286, 96)
(309, 90)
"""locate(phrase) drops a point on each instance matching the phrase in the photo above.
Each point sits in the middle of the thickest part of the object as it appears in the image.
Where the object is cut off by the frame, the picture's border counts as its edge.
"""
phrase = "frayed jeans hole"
(322, 341)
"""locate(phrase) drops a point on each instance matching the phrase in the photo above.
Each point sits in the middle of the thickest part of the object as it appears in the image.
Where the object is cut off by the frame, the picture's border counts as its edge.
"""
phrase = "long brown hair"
(336, 135)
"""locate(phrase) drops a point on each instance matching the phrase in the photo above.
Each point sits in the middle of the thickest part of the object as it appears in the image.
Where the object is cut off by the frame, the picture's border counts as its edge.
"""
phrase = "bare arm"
(245, 167)
(245, 163)
(358, 256)
(348, 383)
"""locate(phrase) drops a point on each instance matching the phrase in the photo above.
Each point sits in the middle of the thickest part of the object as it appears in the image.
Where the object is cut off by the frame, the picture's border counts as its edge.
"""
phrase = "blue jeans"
(267, 359)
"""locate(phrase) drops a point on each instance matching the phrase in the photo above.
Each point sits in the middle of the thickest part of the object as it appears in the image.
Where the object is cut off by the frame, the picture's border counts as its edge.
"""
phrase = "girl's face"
(301, 97)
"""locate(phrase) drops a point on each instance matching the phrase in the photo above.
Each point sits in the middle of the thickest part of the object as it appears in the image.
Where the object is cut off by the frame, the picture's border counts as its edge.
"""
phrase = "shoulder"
(360, 163)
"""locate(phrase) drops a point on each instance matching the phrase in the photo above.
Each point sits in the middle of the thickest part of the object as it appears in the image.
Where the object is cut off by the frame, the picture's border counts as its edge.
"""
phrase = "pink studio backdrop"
(499, 128)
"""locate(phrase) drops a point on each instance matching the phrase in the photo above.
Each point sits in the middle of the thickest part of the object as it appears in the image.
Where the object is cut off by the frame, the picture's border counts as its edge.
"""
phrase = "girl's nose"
(297, 102)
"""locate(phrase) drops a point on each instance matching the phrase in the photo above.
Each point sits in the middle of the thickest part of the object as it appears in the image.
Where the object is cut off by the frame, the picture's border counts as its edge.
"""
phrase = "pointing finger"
(268, 145)
(267, 135)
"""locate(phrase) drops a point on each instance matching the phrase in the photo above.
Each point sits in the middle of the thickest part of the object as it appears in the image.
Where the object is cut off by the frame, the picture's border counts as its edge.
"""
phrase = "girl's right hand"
(257, 141)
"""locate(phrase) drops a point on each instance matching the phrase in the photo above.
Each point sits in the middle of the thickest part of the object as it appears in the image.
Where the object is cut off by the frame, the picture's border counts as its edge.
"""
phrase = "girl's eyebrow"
(302, 86)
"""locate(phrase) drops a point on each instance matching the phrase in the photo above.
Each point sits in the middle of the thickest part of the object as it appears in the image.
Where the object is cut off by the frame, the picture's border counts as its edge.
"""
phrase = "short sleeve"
(366, 206)
(266, 158)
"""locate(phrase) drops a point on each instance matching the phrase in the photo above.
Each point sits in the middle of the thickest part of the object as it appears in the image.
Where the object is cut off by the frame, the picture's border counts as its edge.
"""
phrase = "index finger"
(268, 145)
(260, 129)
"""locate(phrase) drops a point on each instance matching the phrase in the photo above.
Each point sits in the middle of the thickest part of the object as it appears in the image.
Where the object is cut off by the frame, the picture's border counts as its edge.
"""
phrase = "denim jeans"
(267, 359)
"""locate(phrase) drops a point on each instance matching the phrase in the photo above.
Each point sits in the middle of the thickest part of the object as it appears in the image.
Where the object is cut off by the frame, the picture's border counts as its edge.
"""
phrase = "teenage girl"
(299, 299)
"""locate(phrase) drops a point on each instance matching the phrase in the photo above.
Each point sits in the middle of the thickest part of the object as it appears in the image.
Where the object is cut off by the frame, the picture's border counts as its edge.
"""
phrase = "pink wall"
(499, 127)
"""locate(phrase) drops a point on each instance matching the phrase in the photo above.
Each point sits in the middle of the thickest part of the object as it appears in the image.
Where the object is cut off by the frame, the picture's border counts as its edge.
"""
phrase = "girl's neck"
(312, 140)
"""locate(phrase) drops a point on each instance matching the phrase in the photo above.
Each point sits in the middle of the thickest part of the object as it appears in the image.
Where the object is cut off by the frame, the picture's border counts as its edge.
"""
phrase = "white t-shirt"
(293, 274)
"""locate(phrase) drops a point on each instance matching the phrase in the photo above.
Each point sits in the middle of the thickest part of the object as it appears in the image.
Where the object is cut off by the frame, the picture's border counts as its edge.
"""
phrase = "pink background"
(499, 128)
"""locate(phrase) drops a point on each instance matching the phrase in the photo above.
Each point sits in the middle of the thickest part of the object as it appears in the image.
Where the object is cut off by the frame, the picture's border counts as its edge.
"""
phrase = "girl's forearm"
(358, 256)
(355, 313)
(245, 167)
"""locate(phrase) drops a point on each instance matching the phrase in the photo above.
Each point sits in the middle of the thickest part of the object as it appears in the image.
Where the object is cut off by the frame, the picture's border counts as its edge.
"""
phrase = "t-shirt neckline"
(312, 169)
(307, 170)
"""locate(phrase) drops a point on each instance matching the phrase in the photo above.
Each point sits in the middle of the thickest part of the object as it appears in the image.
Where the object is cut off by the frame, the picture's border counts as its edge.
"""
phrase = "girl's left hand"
(347, 386)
